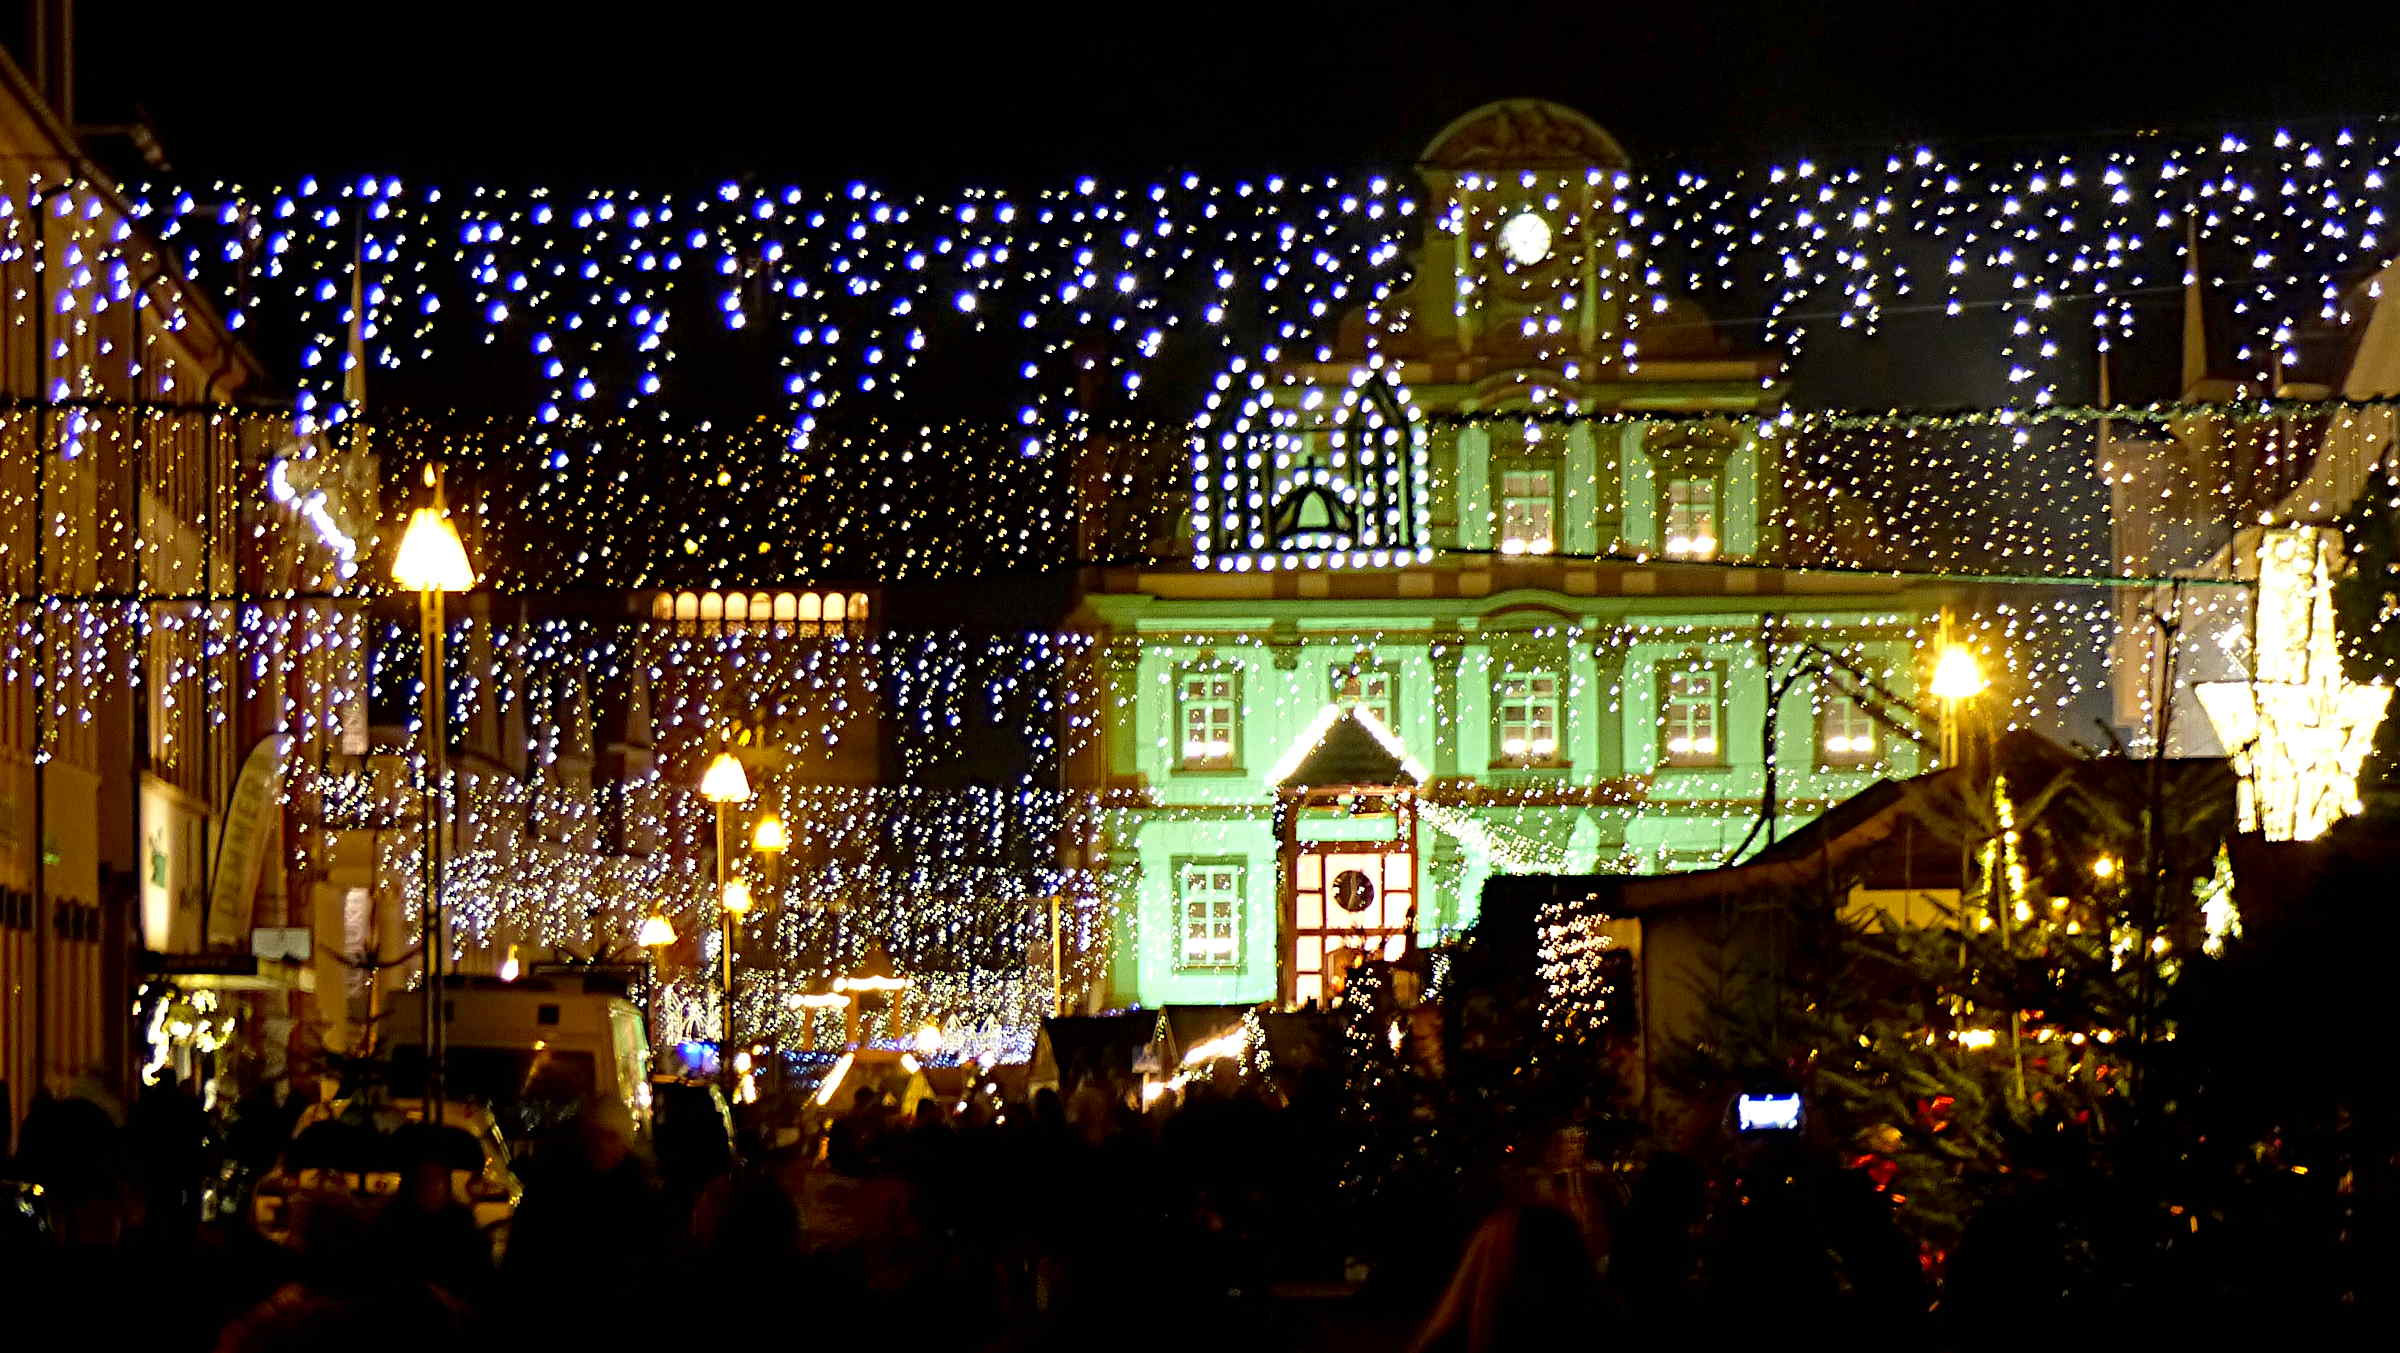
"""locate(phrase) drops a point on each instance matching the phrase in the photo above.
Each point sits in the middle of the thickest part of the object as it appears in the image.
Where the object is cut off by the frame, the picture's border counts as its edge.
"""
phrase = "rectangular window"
(1692, 518)
(1208, 909)
(1376, 689)
(1846, 735)
(1692, 715)
(1528, 509)
(1208, 715)
(1529, 723)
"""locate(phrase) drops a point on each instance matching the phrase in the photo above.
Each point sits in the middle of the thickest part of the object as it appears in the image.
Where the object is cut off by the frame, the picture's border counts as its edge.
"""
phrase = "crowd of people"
(1059, 1222)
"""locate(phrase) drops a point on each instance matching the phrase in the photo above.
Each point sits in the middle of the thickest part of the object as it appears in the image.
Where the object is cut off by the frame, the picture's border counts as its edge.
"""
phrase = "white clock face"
(1525, 238)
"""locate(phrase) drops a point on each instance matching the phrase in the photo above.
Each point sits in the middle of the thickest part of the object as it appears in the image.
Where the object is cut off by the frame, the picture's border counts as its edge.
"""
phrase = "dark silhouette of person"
(1651, 1258)
(1888, 1297)
(2012, 1264)
(427, 1232)
(1525, 1282)
(170, 1141)
(746, 1237)
(73, 1149)
(854, 1144)
(376, 1319)
(587, 1243)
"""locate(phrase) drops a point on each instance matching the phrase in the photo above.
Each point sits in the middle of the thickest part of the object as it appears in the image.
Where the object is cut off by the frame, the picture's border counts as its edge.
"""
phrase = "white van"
(534, 1049)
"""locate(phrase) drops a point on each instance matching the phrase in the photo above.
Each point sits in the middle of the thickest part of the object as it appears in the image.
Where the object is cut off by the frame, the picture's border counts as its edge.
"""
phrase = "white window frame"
(1528, 517)
(1211, 897)
(1525, 717)
(1692, 530)
(1691, 731)
(1221, 714)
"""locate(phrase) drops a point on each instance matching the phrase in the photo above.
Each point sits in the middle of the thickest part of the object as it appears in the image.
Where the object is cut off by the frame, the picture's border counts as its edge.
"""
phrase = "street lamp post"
(770, 838)
(724, 784)
(433, 562)
(655, 934)
(1957, 679)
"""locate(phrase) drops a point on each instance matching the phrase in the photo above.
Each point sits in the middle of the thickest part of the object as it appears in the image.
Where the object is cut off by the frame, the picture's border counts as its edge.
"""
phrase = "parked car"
(354, 1154)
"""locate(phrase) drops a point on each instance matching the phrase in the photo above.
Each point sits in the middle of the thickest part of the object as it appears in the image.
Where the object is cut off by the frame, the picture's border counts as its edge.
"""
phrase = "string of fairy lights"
(596, 289)
(719, 389)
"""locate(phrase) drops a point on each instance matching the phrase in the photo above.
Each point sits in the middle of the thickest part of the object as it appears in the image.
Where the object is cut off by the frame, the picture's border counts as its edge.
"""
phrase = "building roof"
(1347, 752)
(1523, 134)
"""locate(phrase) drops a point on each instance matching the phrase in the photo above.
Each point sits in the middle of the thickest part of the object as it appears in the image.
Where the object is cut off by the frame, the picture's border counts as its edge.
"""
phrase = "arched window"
(762, 608)
(811, 611)
(737, 611)
(712, 611)
(833, 612)
(662, 606)
(858, 608)
(787, 609)
(687, 612)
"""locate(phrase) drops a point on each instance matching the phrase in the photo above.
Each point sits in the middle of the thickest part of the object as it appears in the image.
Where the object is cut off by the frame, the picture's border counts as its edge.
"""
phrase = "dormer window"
(1374, 689)
(1846, 734)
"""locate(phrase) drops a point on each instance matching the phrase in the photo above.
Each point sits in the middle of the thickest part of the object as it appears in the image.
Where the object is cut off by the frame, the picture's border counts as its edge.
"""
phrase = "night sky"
(899, 92)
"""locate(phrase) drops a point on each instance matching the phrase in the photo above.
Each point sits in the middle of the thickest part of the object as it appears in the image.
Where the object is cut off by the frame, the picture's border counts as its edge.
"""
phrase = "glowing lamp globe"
(1957, 676)
(724, 781)
(770, 837)
(655, 932)
(737, 897)
(432, 559)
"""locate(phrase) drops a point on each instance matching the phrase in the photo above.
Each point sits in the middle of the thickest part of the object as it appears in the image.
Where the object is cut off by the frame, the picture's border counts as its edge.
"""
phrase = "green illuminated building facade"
(1522, 513)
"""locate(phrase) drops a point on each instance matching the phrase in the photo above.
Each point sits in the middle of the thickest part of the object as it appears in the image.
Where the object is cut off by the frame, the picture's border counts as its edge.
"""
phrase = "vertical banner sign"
(243, 843)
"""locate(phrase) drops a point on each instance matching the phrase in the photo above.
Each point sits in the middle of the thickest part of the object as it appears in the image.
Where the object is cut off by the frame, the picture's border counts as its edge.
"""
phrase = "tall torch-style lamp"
(724, 784)
(656, 934)
(432, 562)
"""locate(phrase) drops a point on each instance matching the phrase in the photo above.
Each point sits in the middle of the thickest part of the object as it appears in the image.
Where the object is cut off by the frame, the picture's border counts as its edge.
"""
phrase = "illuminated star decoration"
(2299, 732)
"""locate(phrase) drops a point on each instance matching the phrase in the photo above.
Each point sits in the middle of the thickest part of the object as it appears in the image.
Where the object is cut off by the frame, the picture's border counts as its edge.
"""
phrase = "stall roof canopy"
(1347, 753)
(1076, 1048)
(1184, 1027)
(1911, 827)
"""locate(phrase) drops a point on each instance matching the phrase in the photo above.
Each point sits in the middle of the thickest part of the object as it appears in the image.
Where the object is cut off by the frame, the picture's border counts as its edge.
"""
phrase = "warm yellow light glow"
(2299, 731)
(725, 781)
(832, 1084)
(655, 932)
(737, 897)
(2105, 867)
(432, 559)
(929, 1040)
(770, 837)
(1222, 1047)
(870, 983)
(508, 966)
(1957, 676)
